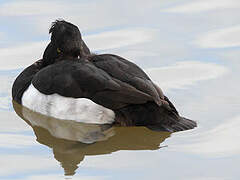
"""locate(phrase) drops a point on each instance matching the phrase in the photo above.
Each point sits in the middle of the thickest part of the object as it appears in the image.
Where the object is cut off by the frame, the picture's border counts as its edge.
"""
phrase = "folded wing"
(82, 79)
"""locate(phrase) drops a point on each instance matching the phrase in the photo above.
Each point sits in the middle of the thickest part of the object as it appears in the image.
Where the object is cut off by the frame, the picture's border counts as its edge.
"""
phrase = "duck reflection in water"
(72, 141)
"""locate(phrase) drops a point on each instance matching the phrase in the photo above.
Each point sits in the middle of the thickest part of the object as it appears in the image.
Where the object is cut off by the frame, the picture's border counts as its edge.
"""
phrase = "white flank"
(77, 109)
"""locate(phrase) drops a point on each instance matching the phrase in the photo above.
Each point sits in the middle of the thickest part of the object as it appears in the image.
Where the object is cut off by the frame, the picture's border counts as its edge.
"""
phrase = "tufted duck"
(71, 83)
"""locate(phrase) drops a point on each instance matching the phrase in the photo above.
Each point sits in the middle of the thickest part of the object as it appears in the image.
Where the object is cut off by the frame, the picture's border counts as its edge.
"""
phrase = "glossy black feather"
(126, 71)
(108, 80)
(23, 81)
(81, 79)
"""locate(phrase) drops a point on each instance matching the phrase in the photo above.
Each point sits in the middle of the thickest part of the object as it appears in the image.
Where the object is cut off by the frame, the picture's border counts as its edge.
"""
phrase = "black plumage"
(69, 69)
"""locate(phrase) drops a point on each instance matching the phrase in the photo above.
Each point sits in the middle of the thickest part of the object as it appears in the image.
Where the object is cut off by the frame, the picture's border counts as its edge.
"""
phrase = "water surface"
(189, 48)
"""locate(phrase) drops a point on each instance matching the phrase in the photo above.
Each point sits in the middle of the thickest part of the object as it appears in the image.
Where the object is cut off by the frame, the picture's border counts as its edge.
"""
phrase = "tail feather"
(154, 117)
(171, 121)
(181, 125)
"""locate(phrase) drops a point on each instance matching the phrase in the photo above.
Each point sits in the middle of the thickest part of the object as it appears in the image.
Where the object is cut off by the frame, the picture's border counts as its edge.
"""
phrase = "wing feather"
(83, 79)
(127, 72)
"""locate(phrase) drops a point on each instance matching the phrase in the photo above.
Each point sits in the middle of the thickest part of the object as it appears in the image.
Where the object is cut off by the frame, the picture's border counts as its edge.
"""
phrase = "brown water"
(71, 141)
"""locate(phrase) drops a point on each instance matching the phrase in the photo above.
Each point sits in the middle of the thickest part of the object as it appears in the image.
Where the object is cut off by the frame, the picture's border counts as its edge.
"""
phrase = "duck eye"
(58, 50)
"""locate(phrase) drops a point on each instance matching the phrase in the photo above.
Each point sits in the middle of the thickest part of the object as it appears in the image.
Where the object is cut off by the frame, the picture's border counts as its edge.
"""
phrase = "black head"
(66, 41)
(66, 37)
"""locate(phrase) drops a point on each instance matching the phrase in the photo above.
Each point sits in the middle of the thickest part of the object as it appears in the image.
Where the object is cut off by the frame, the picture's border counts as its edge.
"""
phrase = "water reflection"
(71, 141)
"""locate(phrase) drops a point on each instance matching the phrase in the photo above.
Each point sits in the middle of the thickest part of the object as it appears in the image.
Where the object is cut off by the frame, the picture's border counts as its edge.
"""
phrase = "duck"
(70, 82)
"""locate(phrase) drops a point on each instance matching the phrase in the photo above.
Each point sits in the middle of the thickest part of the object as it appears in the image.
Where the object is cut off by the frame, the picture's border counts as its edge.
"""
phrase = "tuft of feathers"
(62, 26)
(66, 41)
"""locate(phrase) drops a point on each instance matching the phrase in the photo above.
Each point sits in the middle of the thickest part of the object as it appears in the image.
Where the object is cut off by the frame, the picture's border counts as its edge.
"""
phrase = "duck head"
(66, 41)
